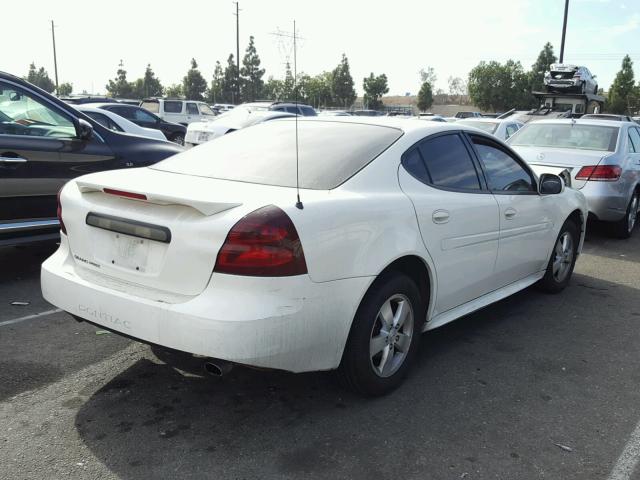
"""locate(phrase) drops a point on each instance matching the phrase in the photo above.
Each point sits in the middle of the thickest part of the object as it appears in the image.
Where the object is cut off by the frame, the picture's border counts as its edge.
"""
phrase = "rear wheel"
(563, 259)
(624, 227)
(177, 138)
(384, 336)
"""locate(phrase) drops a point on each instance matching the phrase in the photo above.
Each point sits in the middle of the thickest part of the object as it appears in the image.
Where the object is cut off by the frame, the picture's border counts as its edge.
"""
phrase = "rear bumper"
(288, 323)
(605, 202)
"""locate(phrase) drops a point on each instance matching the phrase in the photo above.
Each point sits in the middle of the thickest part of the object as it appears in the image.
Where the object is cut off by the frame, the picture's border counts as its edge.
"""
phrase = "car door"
(457, 215)
(39, 152)
(193, 114)
(526, 218)
(633, 173)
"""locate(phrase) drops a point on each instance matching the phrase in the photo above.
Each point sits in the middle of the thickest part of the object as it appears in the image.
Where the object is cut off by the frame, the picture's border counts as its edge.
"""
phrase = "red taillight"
(265, 243)
(600, 173)
(121, 193)
(59, 213)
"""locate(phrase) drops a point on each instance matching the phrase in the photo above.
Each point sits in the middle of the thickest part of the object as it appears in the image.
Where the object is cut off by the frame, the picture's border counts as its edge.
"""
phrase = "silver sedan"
(601, 157)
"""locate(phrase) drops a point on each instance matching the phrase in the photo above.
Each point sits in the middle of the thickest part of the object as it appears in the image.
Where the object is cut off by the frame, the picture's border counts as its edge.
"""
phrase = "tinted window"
(172, 106)
(24, 114)
(412, 162)
(141, 115)
(192, 109)
(448, 163)
(104, 121)
(511, 129)
(126, 112)
(635, 138)
(330, 153)
(504, 173)
(308, 111)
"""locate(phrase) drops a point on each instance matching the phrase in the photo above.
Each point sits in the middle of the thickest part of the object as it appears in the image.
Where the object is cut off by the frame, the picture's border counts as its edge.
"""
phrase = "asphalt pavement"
(534, 387)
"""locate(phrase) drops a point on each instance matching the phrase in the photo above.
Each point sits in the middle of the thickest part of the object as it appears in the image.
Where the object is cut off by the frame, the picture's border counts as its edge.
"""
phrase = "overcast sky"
(396, 37)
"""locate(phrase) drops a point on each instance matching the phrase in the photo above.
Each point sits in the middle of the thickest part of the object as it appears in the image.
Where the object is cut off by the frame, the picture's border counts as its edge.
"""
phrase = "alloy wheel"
(391, 335)
(633, 213)
(563, 257)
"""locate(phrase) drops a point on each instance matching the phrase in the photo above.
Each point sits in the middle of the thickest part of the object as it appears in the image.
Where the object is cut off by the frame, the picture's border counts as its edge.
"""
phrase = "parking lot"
(536, 386)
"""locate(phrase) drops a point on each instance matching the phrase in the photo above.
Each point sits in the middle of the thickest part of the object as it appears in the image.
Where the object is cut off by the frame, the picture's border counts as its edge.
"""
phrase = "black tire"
(624, 227)
(357, 371)
(551, 282)
(177, 138)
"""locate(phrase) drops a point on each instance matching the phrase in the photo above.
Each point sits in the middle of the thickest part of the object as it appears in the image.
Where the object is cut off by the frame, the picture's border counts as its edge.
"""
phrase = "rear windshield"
(329, 152)
(567, 135)
(488, 127)
(152, 106)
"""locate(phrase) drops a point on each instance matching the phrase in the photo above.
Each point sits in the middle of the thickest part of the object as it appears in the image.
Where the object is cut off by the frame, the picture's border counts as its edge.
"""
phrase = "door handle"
(12, 160)
(440, 216)
(509, 213)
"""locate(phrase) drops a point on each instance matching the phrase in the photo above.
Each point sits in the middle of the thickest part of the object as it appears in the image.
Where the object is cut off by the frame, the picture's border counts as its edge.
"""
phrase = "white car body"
(236, 119)
(499, 128)
(472, 248)
(122, 124)
(179, 111)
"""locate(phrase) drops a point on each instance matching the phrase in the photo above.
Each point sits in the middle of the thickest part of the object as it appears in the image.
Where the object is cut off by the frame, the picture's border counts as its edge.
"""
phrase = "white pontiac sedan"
(402, 226)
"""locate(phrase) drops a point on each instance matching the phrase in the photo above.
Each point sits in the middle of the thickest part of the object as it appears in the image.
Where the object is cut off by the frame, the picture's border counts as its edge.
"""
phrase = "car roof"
(108, 104)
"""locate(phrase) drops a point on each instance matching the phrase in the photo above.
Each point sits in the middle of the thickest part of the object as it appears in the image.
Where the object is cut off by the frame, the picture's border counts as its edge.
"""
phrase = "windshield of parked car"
(330, 152)
(489, 127)
(567, 135)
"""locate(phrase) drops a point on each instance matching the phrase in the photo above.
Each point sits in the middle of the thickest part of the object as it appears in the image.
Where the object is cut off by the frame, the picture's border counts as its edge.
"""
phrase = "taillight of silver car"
(264, 243)
(599, 173)
(59, 213)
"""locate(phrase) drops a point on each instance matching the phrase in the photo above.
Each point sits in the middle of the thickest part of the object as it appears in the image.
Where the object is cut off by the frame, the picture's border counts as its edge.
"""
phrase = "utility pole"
(55, 59)
(564, 30)
(237, 14)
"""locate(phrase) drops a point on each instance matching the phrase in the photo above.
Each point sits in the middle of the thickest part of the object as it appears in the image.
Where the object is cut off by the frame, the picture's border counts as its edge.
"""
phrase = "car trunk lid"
(550, 160)
(153, 229)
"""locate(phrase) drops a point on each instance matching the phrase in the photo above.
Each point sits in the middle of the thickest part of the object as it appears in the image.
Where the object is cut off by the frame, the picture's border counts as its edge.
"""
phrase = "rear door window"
(504, 172)
(634, 140)
(449, 164)
(172, 106)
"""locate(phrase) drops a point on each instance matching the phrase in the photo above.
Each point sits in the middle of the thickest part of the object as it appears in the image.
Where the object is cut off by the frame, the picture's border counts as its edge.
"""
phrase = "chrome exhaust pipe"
(217, 368)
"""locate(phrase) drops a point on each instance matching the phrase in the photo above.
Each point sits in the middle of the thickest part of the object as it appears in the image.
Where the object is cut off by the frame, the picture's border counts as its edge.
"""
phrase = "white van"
(179, 111)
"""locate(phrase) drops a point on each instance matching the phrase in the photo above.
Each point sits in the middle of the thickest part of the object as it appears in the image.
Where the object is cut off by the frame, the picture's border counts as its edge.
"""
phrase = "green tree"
(214, 93)
(193, 84)
(343, 93)
(174, 91)
(40, 78)
(251, 74)
(542, 65)
(289, 85)
(273, 89)
(374, 88)
(151, 86)
(623, 89)
(65, 89)
(120, 87)
(230, 82)
(494, 86)
(425, 97)
(315, 90)
(428, 75)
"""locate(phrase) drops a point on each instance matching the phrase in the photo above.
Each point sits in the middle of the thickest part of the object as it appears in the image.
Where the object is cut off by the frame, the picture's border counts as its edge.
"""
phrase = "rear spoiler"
(205, 207)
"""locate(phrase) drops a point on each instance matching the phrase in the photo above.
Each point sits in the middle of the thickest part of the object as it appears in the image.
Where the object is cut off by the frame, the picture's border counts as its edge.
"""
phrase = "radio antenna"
(295, 91)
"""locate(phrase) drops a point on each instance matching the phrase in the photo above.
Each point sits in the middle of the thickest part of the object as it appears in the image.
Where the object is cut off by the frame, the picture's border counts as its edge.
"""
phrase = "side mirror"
(550, 184)
(84, 130)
